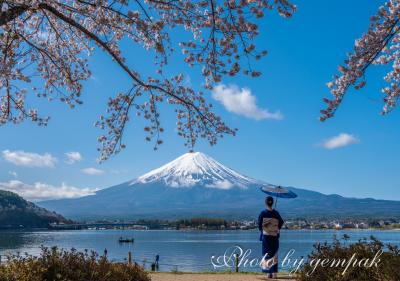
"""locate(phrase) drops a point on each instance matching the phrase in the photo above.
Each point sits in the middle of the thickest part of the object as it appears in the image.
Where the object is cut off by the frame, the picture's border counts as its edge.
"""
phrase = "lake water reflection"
(188, 250)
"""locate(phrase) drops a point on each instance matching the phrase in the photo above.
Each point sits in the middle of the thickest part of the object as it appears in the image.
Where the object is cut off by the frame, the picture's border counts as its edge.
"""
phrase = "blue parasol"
(277, 191)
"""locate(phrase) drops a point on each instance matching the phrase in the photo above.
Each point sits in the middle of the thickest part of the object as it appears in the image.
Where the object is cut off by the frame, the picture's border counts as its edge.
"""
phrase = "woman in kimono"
(270, 223)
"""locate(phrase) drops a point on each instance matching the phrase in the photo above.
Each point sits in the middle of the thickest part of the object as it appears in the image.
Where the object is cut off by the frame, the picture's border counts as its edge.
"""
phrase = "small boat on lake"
(126, 240)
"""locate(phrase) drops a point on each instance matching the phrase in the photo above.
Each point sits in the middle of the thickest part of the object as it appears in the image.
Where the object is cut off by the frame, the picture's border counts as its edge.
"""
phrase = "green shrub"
(55, 264)
(387, 269)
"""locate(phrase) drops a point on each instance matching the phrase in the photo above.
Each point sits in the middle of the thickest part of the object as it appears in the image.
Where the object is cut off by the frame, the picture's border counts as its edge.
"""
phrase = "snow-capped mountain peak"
(196, 168)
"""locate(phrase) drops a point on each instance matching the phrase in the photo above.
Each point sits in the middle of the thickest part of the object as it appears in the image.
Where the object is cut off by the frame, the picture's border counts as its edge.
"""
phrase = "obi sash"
(270, 226)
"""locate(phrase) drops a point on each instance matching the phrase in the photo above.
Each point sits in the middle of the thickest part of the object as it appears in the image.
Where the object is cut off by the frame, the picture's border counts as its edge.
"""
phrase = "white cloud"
(223, 184)
(28, 159)
(92, 171)
(13, 173)
(340, 140)
(73, 157)
(242, 102)
(42, 191)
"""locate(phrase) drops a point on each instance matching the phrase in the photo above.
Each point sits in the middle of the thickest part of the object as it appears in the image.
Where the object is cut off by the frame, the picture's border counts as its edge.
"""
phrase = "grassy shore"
(161, 276)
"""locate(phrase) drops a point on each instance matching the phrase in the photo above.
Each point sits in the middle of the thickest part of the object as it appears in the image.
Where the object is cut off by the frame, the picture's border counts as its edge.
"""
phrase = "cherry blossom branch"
(109, 51)
(12, 13)
(55, 37)
(121, 63)
(380, 45)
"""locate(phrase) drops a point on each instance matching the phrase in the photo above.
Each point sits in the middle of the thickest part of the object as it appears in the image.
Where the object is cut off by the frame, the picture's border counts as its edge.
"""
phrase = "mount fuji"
(196, 168)
(197, 185)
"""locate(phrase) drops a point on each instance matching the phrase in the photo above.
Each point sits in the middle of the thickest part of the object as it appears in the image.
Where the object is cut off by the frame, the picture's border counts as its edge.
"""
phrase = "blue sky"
(304, 53)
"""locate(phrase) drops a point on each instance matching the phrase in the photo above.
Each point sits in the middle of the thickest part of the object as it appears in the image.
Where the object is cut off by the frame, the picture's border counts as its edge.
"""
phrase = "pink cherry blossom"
(45, 46)
(380, 45)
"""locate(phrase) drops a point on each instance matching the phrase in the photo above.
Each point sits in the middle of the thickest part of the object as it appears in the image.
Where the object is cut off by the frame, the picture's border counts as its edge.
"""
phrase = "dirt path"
(211, 277)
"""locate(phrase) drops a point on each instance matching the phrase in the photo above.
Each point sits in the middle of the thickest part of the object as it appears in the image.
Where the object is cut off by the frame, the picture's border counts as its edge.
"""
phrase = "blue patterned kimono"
(269, 223)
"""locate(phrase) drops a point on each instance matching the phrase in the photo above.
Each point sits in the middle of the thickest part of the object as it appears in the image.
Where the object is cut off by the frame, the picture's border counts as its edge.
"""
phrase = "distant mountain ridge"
(197, 185)
(16, 212)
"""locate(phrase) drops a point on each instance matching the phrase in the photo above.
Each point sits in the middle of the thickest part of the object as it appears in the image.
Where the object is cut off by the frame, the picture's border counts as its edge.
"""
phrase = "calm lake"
(178, 250)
